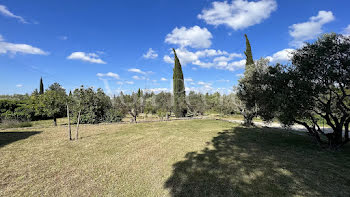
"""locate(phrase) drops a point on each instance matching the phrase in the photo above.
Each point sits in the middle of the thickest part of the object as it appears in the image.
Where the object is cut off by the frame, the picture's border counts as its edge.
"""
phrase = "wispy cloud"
(19, 85)
(129, 82)
(86, 57)
(136, 70)
(109, 74)
(12, 48)
(151, 54)
(63, 37)
(5, 12)
(138, 77)
(163, 79)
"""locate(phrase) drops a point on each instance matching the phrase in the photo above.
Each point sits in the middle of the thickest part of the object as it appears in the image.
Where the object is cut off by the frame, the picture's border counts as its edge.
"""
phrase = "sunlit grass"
(148, 159)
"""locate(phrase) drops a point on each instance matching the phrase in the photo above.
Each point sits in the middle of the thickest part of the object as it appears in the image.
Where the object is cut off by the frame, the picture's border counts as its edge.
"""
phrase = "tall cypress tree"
(248, 52)
(247, 88)
(178, 89)
(41, 86)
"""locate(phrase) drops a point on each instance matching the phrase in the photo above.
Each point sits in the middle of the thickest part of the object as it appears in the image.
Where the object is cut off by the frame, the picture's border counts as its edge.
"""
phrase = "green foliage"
(54, 102)
(132, 104)
(228, 104)
(316, 85)
(114, 115)
(196, 103)
(248, 52)
(93, 105)
(249, 89)
(163, 103)
(178, 89)
(20, 110)
(213, 102)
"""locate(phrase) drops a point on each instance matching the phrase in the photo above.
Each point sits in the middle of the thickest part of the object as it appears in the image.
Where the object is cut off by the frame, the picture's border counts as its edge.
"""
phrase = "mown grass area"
(177, 158)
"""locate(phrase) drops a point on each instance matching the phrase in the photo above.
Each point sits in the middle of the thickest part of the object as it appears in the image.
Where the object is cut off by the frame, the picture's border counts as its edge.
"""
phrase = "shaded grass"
(261, 162)
(10, 137)
(14, 124)
(49, 122)
(148, 160)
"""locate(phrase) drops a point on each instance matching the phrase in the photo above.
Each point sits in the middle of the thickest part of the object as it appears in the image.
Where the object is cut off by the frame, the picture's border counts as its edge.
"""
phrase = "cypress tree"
(41, 86)
(248, 52)
(178, 89)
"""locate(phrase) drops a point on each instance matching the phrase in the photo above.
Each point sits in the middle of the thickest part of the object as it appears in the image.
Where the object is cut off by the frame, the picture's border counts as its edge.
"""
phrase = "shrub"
(113, 115)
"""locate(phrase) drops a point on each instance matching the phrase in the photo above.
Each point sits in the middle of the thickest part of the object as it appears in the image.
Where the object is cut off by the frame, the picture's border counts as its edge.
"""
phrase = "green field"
(175, 158)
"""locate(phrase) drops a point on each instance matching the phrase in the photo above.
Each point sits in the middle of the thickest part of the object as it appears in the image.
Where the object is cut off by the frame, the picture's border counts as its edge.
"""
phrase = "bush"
(14, 124)
(113, 115)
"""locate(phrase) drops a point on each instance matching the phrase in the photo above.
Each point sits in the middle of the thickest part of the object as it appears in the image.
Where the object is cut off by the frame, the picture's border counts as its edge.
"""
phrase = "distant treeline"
(95, 106)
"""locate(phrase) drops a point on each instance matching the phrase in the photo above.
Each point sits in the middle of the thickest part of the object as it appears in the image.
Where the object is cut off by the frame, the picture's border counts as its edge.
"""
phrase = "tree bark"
(55, 121)
(69, 128)
(77, 133)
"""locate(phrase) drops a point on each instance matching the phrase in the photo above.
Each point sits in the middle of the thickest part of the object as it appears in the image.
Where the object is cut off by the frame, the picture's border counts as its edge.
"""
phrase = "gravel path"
(297, 127)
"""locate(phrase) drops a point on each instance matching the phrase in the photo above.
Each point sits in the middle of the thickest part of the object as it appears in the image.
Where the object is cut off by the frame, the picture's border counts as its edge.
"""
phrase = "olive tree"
(315, 87)
(54, 102)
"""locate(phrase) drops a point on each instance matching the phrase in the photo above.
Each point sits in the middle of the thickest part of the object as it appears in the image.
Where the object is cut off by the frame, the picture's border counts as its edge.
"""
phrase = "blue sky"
(125, 45)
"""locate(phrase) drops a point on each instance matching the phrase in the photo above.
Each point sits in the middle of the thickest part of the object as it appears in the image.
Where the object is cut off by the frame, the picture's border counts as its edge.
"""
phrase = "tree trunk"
(69, 129)
(248, 120)
(167, 116)
(55, 121)
(135, 119)
(346, 132)
(77, 133)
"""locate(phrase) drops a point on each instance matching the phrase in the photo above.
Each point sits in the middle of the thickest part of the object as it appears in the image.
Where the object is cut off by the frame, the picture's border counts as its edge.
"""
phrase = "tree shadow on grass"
(261, 162)
(9, 137)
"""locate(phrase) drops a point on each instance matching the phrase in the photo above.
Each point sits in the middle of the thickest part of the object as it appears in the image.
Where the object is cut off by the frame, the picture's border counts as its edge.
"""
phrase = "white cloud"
(223, 80)
(311, 29)
(236, 65)
(163, 79)
(168, 59)
(204, 83)
(281, 56)
(189, 79)
(129, 82)
(156, 90)
(109, 74)
(19, 85)
(219, 59)
(240, 14)
(7, 47)
(136, 70)
(4, 11)
(346, 31)
(206, 87)
(138, 78)
(151, 54)
(227, 58)
(194, 37)
(86, 57)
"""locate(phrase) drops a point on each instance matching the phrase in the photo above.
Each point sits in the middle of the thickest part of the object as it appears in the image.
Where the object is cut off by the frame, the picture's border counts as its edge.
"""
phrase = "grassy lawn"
(177, 158)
